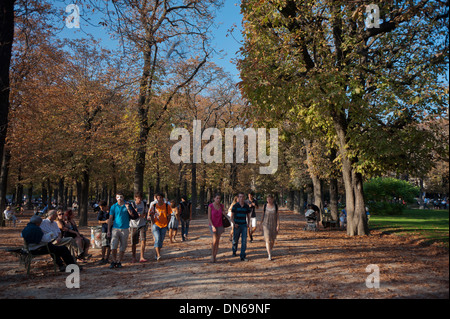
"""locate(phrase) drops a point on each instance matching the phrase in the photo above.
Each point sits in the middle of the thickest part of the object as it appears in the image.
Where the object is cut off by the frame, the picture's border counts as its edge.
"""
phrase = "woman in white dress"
(270, 224)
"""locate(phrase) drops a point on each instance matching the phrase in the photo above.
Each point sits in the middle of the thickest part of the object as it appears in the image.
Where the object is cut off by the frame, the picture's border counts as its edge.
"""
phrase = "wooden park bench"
(26, 257)
(327, 220)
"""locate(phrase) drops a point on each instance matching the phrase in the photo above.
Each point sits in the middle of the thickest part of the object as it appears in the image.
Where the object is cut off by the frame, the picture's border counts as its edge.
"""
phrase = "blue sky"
(227, 17)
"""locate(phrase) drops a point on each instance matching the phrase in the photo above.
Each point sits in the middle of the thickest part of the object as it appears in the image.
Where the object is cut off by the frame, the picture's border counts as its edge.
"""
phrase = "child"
(103, 216)
(174, 220)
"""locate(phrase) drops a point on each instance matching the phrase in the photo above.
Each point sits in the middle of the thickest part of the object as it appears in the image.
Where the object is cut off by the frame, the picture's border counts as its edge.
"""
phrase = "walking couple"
(241, 214)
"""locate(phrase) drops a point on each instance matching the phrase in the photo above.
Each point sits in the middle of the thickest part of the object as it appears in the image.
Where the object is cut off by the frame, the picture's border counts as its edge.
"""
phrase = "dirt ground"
(324, 264)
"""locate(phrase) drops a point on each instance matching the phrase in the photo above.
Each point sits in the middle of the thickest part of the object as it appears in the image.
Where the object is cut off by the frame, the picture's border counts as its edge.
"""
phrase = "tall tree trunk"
(309, 194)
(50, 191)
(60, 199)
(316, 181)
(151, 193)
(333, 188)
(70, 199)
(158, 174)
(301, 203)
(296, 201)
(143, 107)
(4, 182)
(194, 188)
(353, 184)
(290, 199)
(44, 193)
(66, 196)
(84, 203)
(19, 188)
(359, 221)
(30, 196)
(78, 186)
(334, 199)
(6, 42)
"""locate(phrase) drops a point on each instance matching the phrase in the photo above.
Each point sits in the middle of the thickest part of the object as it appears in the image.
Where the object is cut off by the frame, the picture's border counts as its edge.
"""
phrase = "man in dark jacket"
(38, 242)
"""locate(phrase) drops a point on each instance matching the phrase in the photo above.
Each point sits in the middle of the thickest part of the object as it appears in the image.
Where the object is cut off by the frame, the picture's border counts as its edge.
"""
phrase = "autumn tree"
(163, 34)
(373, 84)
(210, 98)
(30, 42)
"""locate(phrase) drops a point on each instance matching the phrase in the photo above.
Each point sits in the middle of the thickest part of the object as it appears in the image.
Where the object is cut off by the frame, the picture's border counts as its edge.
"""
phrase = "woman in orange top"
(160, 217)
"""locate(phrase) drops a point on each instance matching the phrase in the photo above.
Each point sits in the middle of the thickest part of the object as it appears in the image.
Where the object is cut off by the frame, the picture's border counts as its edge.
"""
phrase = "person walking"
(253, 204)
(185, 217)
(240, 215)
(138, 228)
(119, 229)
(102, 218)
(270, 224)
(215, 213)
(174, 220)
(160, 216)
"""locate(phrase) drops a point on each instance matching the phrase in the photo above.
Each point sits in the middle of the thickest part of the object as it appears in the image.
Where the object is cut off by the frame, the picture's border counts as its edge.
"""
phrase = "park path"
(324, 264)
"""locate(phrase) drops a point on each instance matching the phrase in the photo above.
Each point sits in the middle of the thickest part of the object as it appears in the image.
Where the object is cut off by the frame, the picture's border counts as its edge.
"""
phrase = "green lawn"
(431, 225)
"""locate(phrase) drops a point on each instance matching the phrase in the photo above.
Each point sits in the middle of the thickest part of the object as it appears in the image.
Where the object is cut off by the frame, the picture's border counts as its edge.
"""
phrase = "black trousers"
(62, 253)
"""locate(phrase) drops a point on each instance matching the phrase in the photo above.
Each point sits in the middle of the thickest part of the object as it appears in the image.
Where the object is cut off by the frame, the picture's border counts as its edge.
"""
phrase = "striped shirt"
(240, 213)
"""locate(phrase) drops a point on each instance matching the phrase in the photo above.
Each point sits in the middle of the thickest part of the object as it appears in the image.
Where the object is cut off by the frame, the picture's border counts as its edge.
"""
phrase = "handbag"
(225, 221)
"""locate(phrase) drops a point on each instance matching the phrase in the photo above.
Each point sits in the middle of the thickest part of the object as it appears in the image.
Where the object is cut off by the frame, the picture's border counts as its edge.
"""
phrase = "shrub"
(384, 208)
(385, 195)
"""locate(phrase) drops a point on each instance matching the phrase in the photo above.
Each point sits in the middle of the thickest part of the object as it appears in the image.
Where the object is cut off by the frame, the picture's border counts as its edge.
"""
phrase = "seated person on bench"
(38, 242)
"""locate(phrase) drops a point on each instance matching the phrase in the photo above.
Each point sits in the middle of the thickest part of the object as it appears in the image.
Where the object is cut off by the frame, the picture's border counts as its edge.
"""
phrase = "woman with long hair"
(71, 230)
(215, 213)
(270, 224)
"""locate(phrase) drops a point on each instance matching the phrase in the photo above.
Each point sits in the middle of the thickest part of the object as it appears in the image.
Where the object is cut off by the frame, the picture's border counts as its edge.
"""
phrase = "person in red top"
(215, 212)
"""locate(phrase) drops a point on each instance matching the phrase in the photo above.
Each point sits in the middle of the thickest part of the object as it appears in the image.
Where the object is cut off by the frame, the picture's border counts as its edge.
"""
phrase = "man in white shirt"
(49, 225)
(40, 243)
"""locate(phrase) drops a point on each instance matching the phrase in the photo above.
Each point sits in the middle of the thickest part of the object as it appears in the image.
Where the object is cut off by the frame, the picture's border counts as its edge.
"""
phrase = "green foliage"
(385, 208)
(385, 195)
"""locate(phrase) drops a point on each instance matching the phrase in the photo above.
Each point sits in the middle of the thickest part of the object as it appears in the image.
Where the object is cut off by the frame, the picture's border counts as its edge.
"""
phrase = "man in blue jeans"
(240, 214)
(185, 217)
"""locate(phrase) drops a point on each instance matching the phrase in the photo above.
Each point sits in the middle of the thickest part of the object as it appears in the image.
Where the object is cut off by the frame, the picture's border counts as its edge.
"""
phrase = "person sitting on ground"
(40, 243)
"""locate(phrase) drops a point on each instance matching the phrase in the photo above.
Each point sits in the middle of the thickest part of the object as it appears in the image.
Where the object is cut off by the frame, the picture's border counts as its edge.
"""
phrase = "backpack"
(154, 210)
(185, 210)
(134, 214)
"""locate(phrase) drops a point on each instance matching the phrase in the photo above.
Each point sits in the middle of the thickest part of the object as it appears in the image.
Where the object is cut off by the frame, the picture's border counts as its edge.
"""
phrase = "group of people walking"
(125, 218)
(133, 218)
(243, 222)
